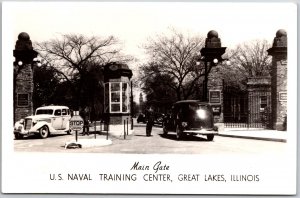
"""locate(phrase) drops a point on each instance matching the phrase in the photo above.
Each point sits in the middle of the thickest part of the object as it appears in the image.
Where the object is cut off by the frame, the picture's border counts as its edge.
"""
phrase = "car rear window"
(196, 106)
(57, 112)
(191, 108)
(64, 112)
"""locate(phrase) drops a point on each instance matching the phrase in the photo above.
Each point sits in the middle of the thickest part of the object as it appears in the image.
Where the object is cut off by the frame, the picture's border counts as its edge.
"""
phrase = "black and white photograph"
(168, 98)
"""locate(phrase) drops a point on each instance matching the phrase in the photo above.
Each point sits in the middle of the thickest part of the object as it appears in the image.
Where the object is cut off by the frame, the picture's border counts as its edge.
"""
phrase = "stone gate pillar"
(215, 94)
(23, 76)
(279, 80)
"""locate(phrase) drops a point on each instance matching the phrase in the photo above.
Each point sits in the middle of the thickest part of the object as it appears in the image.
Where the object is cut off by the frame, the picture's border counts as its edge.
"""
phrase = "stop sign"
(76, 123)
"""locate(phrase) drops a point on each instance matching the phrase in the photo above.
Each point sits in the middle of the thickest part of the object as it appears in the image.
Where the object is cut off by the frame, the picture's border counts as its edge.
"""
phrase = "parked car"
(141, 118)
(47, 119)
(159, 117)
(190, 117)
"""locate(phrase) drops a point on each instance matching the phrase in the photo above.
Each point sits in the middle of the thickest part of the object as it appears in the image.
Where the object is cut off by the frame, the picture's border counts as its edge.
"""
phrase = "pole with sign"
(76, 123)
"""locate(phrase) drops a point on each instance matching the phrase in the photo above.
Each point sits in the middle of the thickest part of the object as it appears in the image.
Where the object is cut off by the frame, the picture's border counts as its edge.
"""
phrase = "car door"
(173, 116)
(65, 114)
(57, 120)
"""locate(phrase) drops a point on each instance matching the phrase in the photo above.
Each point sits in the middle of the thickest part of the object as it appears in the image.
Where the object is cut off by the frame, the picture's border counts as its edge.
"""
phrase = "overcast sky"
(134, 22)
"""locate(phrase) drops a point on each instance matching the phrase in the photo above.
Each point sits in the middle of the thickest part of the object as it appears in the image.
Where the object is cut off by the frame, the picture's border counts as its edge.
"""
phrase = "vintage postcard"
(149, 98)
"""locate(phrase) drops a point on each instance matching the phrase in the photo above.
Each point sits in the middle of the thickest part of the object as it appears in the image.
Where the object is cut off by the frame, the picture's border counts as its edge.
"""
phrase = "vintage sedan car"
(190, 117)
(159, 117)
(47, 119)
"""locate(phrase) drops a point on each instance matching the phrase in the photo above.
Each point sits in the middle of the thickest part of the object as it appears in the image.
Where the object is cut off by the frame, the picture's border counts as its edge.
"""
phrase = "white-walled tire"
(44, 132)
(69, 132)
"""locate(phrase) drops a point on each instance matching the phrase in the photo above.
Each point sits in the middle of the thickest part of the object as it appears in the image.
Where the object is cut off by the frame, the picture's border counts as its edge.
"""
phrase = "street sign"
(76, 122)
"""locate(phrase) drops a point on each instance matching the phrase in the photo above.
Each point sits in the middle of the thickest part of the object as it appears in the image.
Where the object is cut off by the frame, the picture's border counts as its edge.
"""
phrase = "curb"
(254, 138)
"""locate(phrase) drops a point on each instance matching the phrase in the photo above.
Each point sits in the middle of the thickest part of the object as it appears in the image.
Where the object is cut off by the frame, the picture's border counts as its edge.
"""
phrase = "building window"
(116, 97)
(23, 100)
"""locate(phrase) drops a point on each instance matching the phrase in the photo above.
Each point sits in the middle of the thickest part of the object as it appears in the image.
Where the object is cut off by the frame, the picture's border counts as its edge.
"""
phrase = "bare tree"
(74, 56)
(249, 59)
(175, 56)
(252, 58)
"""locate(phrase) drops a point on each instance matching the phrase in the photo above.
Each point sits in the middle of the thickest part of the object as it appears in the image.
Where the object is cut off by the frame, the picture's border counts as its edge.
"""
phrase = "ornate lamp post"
(211, 55)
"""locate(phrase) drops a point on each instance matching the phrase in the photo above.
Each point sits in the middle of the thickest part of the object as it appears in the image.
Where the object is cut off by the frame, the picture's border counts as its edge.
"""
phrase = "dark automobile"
(141, 118)
(159, 117)
(190, 117)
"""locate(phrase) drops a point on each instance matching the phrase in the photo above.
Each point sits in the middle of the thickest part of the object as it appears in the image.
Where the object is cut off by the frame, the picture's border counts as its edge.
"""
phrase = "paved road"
(156, 144)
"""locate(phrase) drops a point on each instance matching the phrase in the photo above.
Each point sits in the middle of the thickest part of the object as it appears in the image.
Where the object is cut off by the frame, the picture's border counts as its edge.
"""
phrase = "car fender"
(18, 128)
(38, 125)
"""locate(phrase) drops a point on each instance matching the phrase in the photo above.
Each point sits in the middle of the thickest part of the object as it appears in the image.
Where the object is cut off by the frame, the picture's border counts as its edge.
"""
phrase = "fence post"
(127, 125)
(124, 131)
(106, 132)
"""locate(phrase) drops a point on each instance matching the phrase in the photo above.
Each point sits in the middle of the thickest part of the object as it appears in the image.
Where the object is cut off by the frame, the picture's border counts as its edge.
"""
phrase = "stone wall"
(24, 86)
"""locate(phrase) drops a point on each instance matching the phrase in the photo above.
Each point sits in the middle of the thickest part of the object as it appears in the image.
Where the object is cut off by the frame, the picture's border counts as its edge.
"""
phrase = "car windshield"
(44, 111)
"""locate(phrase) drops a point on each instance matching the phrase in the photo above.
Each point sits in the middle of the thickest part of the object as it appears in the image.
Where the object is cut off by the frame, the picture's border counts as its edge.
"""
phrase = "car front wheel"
(179, 133)
(44, 132)
(210, 137)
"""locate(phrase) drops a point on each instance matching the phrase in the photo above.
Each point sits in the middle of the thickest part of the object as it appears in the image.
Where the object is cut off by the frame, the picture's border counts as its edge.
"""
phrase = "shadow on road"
(141, 135)
(32, 137)
(184, 138)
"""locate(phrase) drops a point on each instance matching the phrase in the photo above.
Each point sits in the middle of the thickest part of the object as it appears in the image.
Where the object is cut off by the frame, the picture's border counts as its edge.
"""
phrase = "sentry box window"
(116, 97)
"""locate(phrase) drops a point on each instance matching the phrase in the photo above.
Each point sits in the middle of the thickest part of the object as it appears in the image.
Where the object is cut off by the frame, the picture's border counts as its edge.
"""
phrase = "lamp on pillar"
(211, 54)
(23, 76)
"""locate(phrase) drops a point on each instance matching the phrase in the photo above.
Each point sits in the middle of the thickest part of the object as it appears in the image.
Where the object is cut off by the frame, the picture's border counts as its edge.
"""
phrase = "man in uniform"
(150, 121)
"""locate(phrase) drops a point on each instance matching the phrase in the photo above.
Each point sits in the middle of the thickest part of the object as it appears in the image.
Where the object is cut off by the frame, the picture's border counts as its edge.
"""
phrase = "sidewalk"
(254, 133)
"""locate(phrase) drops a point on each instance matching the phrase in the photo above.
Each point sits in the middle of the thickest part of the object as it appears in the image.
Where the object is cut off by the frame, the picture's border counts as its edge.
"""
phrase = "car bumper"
(201, 131)
(24, 132)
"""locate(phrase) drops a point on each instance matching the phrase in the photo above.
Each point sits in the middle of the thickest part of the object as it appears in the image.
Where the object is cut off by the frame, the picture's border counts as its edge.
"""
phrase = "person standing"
(150, 121)
(86, 122)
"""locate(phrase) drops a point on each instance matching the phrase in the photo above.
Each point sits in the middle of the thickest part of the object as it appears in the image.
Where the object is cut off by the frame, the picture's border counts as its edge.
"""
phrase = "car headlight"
(21, 121)
(184, 124)
(201, 113)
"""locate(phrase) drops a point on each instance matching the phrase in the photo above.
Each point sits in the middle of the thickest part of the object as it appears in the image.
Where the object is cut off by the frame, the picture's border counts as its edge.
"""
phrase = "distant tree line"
(172, 73)
(72, 69)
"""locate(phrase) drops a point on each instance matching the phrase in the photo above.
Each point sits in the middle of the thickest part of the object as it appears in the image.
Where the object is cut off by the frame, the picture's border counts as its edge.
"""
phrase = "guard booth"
(116, 97)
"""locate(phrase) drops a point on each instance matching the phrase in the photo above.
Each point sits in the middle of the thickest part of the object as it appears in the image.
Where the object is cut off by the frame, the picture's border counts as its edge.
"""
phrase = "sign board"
(23, 100)
(216, 109)
(215, 96)
(76, 122)
(282, 96)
